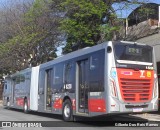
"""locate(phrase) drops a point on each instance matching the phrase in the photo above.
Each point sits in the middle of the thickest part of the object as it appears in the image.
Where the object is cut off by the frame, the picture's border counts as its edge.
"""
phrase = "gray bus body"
(93, 81)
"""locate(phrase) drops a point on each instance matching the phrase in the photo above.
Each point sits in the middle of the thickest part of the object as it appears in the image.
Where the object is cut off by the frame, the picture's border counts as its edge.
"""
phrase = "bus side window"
(18, 79)
(41, 82)
(6, 86)
(93, 62)
(58, 77)
(96, 72)
(58, 74)
(22, 78)
(67, 74)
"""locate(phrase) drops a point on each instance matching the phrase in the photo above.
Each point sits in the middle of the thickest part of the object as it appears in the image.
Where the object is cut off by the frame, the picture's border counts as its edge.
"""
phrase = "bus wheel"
(67, 111)
(25, 107)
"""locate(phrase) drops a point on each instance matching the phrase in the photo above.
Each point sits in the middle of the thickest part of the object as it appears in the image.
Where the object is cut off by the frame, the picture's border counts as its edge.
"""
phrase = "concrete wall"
(153, 40)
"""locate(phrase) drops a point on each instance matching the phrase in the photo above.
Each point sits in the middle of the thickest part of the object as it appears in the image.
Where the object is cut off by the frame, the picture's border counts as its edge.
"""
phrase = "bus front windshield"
(133, 52)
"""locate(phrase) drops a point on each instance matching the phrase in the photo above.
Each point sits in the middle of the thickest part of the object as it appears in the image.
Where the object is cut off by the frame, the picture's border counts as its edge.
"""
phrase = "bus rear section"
(7, 91)
(16, 91)
(133, 81)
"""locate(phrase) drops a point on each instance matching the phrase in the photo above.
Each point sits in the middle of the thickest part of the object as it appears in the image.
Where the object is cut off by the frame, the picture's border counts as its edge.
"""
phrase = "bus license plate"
(137, 109)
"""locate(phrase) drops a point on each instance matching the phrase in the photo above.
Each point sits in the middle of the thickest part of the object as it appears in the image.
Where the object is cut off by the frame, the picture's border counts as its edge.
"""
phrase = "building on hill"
(143, 13)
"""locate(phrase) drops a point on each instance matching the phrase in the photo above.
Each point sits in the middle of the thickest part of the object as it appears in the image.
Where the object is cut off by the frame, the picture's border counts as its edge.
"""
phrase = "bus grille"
(135, 90)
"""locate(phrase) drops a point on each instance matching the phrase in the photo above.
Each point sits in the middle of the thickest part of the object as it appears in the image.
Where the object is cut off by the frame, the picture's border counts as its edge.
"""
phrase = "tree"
(31, 32)
(11, 24)
(89, 22)
(34, 40)
(41, 22)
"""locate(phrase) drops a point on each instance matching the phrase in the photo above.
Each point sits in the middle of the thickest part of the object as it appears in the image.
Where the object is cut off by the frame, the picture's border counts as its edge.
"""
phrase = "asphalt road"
(58, 124)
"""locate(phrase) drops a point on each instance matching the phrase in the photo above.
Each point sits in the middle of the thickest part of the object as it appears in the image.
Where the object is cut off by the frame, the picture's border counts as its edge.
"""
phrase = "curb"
(148, 116)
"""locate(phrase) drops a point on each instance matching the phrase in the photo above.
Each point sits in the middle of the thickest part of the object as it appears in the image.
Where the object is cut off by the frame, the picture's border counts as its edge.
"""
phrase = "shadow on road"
(109, 120)
(48, 115)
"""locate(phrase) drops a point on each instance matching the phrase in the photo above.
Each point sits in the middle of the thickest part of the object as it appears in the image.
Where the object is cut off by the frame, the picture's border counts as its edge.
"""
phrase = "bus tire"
(25, 107)
(67, 110)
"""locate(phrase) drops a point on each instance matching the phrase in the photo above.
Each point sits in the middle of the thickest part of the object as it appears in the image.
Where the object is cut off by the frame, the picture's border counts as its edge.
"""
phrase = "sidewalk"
(149, 116)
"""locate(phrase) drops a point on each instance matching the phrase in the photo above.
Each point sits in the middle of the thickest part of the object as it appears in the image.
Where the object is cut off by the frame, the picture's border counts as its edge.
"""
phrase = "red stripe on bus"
(57, 104)
(96, 105)
(20, 101)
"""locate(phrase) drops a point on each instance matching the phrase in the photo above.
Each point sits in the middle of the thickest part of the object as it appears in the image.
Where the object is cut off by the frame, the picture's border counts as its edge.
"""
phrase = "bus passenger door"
(41, 91)
(83, 73)
(13, 91)
(49, 78)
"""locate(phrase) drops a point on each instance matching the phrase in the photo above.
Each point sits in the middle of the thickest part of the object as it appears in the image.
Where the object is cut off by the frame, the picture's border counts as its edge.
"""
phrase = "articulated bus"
(109, 78)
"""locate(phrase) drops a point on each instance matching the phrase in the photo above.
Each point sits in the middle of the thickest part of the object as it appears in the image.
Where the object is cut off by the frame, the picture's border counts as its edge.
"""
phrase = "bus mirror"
(109, 49)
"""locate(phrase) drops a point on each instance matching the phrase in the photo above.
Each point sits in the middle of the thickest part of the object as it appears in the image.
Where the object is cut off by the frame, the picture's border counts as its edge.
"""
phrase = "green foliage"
(37, 9)
(83, 23)
(42, 27)
(145, 12)
(107, 31)
(36, 41)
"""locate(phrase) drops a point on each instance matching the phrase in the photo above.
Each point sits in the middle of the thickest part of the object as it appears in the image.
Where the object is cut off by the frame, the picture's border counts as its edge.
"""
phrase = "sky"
(6, 3)
(121, 13)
